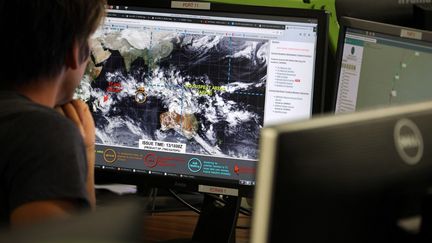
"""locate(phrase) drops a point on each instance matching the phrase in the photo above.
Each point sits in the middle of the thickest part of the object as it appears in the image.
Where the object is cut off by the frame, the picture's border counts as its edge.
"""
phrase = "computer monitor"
(179, 96)
(182, 95)
(381, 65)
(356, 177)
(399, 12)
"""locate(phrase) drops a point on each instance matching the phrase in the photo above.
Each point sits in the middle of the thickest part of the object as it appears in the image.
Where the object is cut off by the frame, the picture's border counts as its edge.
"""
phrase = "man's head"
(39, 37)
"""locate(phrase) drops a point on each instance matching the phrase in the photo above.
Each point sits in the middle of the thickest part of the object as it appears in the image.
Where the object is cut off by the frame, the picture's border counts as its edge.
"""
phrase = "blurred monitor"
(381, 65)
(357, 177)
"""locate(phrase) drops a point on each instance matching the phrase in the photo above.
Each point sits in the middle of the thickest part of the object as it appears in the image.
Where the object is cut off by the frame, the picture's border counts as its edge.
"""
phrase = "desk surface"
(164, 226)
(180, 225)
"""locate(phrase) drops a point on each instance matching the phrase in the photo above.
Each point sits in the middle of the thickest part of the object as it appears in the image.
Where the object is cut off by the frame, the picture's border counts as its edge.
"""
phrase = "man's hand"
(78, 112)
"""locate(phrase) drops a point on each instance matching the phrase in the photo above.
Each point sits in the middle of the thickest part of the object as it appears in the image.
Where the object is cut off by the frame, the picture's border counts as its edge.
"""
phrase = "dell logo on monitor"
(408, 141)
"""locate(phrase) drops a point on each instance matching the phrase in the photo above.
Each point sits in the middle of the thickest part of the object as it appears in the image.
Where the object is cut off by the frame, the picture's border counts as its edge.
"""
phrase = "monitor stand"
(217, 221)
(161, 200)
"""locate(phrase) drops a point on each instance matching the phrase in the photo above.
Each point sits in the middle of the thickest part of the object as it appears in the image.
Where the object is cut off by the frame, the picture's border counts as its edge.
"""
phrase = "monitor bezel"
(373, 27)
(126, 177)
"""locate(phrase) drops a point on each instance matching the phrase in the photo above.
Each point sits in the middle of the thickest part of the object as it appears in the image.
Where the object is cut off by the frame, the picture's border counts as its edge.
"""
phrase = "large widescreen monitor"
(180, 96)
(357, 177)
(381, 65)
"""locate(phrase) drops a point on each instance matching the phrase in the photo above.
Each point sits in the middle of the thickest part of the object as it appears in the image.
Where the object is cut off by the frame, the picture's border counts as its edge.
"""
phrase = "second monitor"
(381, 65)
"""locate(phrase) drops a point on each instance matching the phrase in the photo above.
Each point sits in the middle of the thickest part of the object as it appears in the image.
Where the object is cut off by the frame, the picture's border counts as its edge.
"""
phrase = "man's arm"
(36, 211)
(78, 111)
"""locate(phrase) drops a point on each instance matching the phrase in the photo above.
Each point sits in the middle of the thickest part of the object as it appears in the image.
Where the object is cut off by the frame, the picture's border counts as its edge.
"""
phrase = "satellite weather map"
(202, 93)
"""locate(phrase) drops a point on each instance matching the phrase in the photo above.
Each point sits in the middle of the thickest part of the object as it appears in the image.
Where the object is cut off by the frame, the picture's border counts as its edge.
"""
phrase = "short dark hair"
(37, 36)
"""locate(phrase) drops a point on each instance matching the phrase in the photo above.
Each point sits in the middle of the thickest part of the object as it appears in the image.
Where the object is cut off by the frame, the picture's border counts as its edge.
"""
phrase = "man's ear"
(73, 59)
